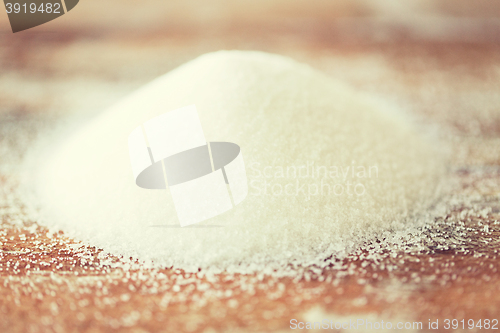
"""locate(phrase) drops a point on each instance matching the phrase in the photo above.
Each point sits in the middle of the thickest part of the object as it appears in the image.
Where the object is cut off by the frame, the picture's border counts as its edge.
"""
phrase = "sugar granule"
(285, 116)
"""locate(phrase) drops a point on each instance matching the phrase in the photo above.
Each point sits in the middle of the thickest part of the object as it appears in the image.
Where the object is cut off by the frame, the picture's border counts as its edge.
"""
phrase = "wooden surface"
(438, 60)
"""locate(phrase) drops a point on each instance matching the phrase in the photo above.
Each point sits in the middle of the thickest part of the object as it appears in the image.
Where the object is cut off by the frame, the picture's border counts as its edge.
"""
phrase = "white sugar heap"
(304, 138)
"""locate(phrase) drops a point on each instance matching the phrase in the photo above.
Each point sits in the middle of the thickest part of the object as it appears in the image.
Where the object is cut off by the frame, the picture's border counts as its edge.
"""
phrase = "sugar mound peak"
(327, 167)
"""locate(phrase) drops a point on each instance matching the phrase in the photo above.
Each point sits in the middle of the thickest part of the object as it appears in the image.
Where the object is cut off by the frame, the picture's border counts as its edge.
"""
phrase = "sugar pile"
(328, 169)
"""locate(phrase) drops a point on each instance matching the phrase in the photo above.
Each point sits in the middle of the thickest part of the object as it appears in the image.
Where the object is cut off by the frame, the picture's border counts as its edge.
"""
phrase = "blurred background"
(440, 58)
